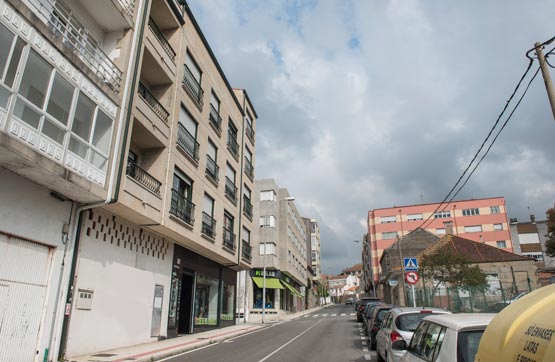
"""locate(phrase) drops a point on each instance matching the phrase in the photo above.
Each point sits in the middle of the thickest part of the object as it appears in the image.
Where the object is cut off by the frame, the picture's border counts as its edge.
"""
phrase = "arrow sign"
(411, 264)
(412, 277)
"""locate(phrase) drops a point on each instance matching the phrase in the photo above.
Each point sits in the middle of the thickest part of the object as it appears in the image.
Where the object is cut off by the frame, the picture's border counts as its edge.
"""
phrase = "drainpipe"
(113, 192)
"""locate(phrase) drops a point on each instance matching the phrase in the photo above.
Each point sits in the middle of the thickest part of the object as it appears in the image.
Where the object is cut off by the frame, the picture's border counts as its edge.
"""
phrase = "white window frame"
(267, 195)
(388, 219)
(415, 217)
(497, 227)
(267, 221)
(473, 229)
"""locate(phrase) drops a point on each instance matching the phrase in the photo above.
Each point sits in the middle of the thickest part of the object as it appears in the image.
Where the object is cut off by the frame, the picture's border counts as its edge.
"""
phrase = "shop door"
(186, 303)
(24, 270)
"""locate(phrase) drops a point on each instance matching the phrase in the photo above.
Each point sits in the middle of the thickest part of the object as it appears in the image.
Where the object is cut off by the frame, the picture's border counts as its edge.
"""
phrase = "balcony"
(208, 225)
(247, 207)
(182, 208)
(193, 88)
(250, 132)
(153, 103)
(162, 39)
(79, 39)
(143, 177)
(215, 120)
(230, 190)
(249, 169)
(232, 144)
(229, 239)
(246, 251)
(212, 169)
(188, 144)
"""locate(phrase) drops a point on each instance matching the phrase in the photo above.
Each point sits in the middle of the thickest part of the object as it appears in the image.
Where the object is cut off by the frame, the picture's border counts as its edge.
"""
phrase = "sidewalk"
(155, 351)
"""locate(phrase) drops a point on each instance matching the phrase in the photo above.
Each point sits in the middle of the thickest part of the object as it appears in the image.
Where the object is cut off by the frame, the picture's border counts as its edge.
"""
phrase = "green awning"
(291, 289)
(271, 283)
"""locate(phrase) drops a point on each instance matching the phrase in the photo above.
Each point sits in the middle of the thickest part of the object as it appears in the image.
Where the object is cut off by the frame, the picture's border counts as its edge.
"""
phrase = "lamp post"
(289, 198)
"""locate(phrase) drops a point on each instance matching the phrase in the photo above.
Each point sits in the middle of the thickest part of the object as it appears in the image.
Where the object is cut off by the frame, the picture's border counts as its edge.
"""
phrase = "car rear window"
(409, 322)
(380, 315)
(467, 345)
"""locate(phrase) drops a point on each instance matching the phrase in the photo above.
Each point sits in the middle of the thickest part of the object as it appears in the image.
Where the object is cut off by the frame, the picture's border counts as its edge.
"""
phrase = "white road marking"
(352, 314)
(324, 315)
(364, 349)
(364, 343)
(343, 314)
(334, 315)
(362, 337)
(367, 357)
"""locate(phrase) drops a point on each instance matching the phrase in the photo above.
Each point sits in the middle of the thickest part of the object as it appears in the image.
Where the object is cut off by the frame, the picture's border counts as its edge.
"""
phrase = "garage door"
(24, 270)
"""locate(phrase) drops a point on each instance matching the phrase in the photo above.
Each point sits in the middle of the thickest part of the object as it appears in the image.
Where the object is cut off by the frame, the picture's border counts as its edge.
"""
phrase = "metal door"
(157, 311)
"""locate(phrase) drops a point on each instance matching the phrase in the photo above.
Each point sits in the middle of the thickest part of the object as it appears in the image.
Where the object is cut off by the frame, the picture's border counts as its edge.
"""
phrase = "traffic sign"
(412, 277)
(411, 264)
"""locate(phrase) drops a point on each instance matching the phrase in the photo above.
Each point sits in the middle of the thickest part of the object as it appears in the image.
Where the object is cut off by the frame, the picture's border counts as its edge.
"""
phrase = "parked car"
(350, 301)
(362, 305)
(367, 313)
(498, 306)
(446, 338)
(399, 324)
(374, 322)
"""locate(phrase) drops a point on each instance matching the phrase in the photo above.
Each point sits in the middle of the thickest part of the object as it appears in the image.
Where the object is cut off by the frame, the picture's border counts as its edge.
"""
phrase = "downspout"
(113, 193)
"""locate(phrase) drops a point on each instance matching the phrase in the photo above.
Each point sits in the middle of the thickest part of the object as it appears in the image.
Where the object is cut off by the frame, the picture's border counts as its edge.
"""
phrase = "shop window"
(206, 301)
(228, 298)
(270, 297)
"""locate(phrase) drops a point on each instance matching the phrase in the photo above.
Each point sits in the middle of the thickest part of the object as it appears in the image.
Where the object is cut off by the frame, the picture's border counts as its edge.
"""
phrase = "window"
(249, 169)
(182, 192)
(206, 301)
(471, 212)
(232, 144)
(501, 244)
(413, 217)
(494, 209)
(314, 256)
(257, 294)
(208, 222)
(187, 134)
(8, 64)
(473, 229)
(247, 204)
(249, 130)
(497, 227)
(442, 214)
(214, 117)
(388, 219)
(269, 195)
(267, 221)
(192, 80)
(212, 168)
(230, 188)
(246, 235)
(389, 235)
(229, 236)
(228, 301)
(440, 231)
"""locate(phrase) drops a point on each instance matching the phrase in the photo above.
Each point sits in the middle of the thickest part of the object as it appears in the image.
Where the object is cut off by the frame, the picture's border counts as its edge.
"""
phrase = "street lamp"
(289, 198)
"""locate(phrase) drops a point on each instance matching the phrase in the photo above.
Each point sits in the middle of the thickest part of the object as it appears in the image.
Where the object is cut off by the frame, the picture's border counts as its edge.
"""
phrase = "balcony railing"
(78, 39)
(249, 131)
(249, 169)
(215, 119)
(230, 189)
(143, 177)
(182, 208)
(153, 103)
(162, 39)
(186, 141)
(229, 239)
(208, 225)
(246, 251)
(192, 86)
(232, 143)
(128, 6)
(212, 169)
(247, 207)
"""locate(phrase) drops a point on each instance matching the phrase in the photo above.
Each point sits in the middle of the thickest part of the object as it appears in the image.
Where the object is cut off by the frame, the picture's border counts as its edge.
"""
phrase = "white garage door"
(24, 270)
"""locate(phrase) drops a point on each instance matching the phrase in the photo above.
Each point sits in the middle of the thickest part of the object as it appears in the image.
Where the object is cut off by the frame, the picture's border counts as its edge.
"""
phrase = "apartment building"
(529, 240)
(481, 220)
(129, 161)
(314, 248)
(279, 275)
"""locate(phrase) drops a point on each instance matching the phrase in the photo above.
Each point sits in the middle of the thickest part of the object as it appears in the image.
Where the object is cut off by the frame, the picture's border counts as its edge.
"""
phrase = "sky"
(370, 104)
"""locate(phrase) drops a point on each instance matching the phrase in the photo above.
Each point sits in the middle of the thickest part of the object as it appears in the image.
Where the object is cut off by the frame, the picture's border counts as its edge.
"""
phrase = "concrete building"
(281, 251)
(131, 161)
(481, 220)
(314, 241)
(529, 240)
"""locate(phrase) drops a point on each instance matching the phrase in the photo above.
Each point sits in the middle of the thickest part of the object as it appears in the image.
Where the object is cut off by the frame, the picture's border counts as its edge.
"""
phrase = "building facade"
(132, 162)
(315, 247)
(481, 220)
(280, 251)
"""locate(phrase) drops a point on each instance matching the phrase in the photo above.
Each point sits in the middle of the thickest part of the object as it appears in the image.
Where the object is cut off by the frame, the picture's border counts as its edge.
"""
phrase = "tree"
(454, 270)
(550, 237)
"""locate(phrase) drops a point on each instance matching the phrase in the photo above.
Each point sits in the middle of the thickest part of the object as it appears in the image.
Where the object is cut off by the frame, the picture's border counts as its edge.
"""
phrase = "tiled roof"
(356, 267)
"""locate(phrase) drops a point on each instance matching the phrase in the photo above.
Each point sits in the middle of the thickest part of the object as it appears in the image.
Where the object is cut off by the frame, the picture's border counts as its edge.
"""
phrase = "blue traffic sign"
(411, 264)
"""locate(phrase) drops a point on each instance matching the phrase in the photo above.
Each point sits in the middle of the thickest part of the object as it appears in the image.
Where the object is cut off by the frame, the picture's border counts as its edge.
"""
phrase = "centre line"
(291, 340)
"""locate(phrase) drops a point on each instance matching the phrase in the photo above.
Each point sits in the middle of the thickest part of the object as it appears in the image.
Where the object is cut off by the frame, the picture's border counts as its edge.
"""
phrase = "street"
(330, 334)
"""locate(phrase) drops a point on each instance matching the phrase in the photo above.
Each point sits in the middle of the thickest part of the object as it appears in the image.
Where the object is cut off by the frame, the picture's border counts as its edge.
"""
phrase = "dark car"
(366, 315)
(350, 301)
(374, 323)
(362, 305)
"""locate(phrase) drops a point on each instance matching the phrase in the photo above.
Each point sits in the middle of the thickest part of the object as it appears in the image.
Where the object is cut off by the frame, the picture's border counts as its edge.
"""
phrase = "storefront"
(202, 294)
(281, 291)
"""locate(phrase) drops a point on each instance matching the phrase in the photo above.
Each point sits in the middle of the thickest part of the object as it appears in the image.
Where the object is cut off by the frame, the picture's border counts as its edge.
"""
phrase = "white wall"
(123, 281)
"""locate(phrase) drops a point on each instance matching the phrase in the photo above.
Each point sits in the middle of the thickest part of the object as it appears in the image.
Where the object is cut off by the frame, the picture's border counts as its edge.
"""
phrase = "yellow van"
(522, 332)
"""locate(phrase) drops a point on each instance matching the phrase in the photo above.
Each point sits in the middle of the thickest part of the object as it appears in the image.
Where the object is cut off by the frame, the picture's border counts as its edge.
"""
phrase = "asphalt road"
(331, 334)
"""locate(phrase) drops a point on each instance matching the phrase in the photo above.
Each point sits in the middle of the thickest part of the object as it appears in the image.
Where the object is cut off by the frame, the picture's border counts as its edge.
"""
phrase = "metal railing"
(249, 131)
(247, 207)
(230, 189)
(229, 239)
(162, 39)
(246, 251)
(128, 6)
(192, 86)
(153, 103)
(208, 225)
(143, 177)
(215, 118)
(188, 142)
(249, 169)
(212, 169)
(79, 40)
(182, 208)
(232, 143)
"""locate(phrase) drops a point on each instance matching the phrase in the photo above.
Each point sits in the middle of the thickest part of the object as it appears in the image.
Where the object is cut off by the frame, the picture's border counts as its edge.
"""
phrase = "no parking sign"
(412, 277)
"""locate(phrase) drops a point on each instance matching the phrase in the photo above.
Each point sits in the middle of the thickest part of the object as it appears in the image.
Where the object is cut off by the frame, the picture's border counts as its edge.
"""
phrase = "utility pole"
(546, 77)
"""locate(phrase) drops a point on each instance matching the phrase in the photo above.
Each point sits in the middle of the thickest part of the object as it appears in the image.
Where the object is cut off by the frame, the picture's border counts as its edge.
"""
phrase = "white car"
(446, 338)
(399, 325)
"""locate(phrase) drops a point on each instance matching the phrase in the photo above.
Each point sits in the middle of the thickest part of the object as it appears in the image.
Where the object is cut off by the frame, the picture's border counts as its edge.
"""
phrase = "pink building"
(480, 220)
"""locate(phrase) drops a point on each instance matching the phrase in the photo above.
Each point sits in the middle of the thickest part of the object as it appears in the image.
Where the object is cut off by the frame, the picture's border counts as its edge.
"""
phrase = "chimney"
(448, 227)
(532, 219)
